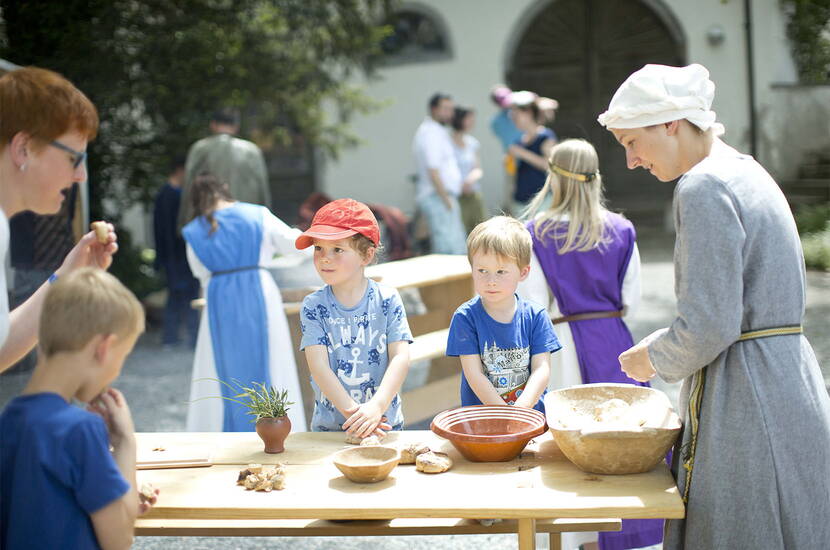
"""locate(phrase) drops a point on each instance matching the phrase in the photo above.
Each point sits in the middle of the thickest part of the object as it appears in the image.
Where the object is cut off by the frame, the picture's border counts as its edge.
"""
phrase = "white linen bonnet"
(659, 93)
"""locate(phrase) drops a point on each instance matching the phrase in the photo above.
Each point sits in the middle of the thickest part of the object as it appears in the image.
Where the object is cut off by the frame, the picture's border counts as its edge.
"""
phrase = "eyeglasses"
(77, 156)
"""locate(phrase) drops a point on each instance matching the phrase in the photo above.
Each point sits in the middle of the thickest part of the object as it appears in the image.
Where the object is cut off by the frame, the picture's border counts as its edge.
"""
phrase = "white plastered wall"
(482, 31)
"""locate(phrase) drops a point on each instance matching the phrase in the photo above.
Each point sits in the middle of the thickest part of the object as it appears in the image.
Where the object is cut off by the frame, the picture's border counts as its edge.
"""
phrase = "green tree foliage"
(808, 28)
(157, 68)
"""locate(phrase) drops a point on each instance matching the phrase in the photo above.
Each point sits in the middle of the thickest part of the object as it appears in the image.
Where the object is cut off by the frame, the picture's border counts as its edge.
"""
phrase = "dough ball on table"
(432, 463)
(411, 451)
(372, 440)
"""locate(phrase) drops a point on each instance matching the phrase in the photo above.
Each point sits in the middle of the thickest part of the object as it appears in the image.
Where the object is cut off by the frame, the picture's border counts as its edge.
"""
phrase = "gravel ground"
(156, 383)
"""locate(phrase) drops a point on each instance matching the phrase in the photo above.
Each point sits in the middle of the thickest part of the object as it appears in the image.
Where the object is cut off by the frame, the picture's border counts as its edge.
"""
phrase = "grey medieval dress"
(761, 476)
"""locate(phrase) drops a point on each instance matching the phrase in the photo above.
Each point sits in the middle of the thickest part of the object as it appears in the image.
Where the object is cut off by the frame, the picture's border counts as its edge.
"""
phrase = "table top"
(541, 483)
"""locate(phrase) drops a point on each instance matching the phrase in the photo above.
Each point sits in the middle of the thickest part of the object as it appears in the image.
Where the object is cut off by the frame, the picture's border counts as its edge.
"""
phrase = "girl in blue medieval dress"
(243, 333)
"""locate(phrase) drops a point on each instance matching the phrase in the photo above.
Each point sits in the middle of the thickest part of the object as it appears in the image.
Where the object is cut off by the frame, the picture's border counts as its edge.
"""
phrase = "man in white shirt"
(439, 179)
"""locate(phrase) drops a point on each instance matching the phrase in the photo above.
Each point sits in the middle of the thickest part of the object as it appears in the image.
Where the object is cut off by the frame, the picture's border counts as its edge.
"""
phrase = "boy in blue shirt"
(62, 487)
(503, 341)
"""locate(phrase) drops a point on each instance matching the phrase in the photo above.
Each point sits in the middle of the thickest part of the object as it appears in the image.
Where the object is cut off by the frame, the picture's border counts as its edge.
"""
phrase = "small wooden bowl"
(367, 464)
(484, 433)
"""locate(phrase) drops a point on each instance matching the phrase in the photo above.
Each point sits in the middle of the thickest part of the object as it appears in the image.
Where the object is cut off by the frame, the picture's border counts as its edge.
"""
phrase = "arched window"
(418, 35)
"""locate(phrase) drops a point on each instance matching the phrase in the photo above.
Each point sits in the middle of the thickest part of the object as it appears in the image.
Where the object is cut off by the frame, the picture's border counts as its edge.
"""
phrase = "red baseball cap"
(340, 219)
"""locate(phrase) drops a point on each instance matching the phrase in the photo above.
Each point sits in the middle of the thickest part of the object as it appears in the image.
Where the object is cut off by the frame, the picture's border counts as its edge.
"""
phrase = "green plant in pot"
(269, 407)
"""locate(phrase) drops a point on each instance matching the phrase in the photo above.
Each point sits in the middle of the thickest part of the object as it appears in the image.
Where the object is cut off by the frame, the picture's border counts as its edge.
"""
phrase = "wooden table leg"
(555, 541)
(527, 534)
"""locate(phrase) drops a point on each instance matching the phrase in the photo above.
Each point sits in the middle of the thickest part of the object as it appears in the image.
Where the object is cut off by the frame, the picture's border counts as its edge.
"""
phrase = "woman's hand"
(636, 363)
(89, 252)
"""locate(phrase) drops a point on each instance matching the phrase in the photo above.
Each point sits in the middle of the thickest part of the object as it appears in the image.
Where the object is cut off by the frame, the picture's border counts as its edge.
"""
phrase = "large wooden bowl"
(489, 433)
(367, 464)
(612, 448)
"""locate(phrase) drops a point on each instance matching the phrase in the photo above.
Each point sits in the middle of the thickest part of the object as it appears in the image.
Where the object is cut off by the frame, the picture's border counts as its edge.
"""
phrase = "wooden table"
(540, 484)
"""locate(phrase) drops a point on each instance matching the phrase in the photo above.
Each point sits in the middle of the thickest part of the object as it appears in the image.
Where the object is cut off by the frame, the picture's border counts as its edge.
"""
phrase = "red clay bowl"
(484, 433)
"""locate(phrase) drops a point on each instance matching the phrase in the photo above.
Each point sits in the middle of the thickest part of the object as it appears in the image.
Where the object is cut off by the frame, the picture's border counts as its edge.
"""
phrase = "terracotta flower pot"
(273, 432)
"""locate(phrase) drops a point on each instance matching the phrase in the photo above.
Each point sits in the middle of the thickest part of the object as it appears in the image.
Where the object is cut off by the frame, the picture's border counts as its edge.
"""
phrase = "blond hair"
(362, 244)
(503, 236)
(83, 304)
(575, 184)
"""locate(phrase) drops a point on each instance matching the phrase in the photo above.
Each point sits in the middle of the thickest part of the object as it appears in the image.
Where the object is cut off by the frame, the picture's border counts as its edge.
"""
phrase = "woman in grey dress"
(753, 463)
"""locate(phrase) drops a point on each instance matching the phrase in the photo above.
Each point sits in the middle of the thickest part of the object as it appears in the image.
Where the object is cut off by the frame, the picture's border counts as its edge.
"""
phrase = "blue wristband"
(53, 277)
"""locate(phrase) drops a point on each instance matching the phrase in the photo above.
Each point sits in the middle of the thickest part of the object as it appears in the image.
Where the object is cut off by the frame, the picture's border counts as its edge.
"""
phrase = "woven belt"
(586, 316)
(236, 270)
(696, 397)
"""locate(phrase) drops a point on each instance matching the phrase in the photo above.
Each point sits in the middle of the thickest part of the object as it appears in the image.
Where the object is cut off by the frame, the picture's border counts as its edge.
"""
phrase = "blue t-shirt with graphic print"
(505, 349)
(357, 340)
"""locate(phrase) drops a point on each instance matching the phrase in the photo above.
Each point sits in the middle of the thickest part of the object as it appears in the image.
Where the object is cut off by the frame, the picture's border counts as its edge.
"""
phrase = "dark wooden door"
(579, 52)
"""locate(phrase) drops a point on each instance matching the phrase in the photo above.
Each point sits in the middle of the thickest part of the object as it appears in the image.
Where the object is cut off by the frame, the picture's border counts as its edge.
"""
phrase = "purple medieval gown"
(587, 282)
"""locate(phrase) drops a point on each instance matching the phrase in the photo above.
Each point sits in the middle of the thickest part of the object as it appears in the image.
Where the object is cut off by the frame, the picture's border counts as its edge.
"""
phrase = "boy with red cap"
(355, 333)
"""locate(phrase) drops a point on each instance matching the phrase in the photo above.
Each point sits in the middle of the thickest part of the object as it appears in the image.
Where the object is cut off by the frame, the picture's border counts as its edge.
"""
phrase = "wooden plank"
(429, 346)
(421, 271)
(316, 489)
(325, 528)
(527, 534)
(425, 402)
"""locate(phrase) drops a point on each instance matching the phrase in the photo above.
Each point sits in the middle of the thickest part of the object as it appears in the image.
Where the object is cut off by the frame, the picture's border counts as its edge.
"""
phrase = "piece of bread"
(146, 492)
(411, 451)
(102, 231)
(354, 440)
(433, 463)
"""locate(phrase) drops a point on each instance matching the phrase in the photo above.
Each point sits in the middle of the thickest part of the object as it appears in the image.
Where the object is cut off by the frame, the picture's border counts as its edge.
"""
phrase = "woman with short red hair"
(45, 124)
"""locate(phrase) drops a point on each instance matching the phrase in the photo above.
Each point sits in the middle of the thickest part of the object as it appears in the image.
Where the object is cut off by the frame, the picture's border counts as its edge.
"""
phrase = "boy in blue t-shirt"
(355, 334)
(503, 341)
(61, 486)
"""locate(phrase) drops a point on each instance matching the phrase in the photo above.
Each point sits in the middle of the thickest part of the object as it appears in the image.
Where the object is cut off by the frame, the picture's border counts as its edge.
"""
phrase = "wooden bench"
(395, 527)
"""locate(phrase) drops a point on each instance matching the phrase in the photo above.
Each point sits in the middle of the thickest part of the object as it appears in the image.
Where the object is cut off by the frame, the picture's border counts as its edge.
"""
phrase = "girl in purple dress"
(586, 270)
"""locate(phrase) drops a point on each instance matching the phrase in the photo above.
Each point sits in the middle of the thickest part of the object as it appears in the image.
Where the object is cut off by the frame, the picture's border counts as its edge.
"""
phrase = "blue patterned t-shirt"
(357, 340)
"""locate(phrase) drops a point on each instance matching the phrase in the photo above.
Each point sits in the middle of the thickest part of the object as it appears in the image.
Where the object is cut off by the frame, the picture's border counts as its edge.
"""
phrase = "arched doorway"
(579, 52)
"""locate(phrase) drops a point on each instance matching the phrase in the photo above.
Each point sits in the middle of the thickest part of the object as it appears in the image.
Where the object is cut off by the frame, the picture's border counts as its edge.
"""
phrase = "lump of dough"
(411, 451)
(354, 440)
(612, 410)
(432, 463)
(147, 492)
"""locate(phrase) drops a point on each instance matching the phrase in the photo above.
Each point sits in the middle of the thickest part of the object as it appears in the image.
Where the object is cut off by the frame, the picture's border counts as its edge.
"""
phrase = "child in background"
(466, 149)
(61, 485)
(503, 341)
(244, 334)
(585, 270)
(355, 333)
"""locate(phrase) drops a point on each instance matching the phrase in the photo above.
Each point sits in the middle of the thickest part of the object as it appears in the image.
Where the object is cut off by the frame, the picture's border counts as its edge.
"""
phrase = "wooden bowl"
(484, 433)
(367, 464)
(634, 443)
